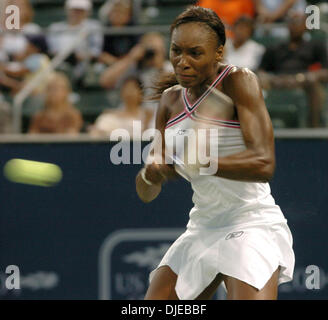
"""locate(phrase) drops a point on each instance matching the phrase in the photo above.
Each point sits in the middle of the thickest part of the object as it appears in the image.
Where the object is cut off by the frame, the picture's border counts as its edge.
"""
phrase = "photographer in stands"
(298, 63)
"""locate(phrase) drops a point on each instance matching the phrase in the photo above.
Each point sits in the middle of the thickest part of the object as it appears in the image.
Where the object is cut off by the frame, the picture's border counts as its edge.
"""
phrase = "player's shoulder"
(239, 74)
(176, 89)
(169, 99)
(172, 94)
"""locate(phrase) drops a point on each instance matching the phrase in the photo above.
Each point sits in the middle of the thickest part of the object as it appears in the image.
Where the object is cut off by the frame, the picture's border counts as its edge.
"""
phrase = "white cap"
(79, 4)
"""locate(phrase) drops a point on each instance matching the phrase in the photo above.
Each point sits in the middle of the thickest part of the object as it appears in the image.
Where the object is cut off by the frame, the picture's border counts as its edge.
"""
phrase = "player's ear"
(219, 54)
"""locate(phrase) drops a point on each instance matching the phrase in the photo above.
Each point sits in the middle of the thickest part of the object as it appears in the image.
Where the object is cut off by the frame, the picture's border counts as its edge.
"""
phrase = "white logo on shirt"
(236, 234)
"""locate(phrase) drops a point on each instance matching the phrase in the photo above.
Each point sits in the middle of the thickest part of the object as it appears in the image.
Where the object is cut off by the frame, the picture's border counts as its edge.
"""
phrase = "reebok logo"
(236, 234)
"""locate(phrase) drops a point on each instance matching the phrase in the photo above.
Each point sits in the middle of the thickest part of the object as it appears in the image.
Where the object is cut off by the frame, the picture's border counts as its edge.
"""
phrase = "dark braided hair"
(191, 14)
(202, 15)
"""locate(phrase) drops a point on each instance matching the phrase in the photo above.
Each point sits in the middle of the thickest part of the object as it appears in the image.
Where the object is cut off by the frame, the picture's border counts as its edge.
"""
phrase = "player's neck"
(196, 91)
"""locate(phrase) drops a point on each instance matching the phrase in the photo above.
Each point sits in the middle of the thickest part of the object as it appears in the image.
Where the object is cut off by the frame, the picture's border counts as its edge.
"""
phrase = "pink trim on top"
(217, 124)
(208, 89)
(173, 123)
(188, 113)
(219, 119)
(177, 116)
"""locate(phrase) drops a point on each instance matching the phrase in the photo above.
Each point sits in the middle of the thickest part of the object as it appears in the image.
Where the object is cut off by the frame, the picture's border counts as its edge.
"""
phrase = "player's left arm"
(257, 162)
(156, 172)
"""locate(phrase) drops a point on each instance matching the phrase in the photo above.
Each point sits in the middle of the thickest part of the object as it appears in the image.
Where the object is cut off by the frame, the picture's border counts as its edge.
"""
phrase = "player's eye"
(195, 53)
(176, 50)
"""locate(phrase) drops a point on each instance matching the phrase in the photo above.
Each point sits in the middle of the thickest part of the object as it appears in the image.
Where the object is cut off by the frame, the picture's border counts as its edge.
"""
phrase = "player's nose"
(183, 62)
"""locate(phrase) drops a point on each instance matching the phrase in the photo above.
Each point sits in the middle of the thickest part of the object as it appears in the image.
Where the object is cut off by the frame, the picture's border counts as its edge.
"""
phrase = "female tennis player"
(236, 233)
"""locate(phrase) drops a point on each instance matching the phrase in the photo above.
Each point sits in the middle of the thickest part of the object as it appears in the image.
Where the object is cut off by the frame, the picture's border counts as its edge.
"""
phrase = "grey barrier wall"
(90, 237)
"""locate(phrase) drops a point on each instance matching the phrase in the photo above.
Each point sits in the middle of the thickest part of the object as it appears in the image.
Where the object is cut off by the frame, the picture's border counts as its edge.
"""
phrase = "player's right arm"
(156, 173)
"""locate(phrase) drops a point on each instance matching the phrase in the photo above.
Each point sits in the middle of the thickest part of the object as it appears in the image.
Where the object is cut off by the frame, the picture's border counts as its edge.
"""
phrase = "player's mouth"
(185, 77)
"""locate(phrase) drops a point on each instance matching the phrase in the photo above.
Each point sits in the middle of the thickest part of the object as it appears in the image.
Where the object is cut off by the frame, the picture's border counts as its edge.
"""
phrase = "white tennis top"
(218, 202)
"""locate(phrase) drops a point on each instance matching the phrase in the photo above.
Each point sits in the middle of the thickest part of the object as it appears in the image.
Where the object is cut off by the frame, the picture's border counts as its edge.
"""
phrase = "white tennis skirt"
(248, 253)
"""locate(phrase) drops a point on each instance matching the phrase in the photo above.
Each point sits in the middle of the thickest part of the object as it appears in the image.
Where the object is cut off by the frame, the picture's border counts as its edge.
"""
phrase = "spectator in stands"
(116, 45)
(298, 63)
(4, 58)
(58, 115)
(145, 60)
(242, 51)
(14, 41)
(31, 61)
(63, 34)
(130, 110)
(6, 82)
(5, 116)
(230, 11)
(29, 64)
(269, 11)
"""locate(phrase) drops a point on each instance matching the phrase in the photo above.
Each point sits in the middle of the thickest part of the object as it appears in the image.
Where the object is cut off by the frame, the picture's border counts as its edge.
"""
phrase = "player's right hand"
(159, 173)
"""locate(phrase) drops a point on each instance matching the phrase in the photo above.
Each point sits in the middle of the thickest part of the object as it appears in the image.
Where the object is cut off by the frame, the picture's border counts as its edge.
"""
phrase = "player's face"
(194, 54)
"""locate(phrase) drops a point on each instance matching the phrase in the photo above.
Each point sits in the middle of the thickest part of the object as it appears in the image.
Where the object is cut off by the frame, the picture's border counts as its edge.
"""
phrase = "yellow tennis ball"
(32, 172)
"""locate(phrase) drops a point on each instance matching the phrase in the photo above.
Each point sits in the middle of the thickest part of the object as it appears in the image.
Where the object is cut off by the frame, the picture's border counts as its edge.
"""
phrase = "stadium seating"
(288, 108)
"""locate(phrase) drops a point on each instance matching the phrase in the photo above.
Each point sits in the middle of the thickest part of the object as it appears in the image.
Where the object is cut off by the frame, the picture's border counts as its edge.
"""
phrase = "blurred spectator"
(63, 34)
(230, 10)
(298, 63)
(31, 62)
(6, 82)
(107, 6)
(9, 83)
(5, 116)
(242, 51)
(145, 60)
(4, 58)
(104, 10)
(58, 115)
(115, 45)
(269, 11)
(14, 41)
(130, 110)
